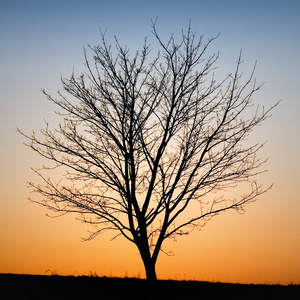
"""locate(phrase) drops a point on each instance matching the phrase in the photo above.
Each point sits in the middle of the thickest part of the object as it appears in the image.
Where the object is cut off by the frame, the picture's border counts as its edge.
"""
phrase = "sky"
(40, 41)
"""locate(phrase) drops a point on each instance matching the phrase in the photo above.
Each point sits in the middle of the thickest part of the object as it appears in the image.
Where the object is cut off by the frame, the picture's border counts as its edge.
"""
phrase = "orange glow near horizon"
(230, 248)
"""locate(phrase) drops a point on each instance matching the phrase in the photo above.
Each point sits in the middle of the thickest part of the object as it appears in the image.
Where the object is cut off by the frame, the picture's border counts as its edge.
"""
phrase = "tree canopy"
(145, 143)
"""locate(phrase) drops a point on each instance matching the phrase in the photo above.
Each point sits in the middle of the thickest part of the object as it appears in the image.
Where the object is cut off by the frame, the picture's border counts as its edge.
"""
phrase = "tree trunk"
(149, 263)
(150, 270)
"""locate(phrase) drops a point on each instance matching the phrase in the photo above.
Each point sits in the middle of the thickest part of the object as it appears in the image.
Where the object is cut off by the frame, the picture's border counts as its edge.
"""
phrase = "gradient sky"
(42, 40)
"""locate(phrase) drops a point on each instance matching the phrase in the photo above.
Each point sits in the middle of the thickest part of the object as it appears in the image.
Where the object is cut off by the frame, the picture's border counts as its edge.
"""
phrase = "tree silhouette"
(150, 148)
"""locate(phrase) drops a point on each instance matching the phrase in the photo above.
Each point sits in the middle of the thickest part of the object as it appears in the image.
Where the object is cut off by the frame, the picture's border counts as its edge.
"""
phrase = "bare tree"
(145, 144)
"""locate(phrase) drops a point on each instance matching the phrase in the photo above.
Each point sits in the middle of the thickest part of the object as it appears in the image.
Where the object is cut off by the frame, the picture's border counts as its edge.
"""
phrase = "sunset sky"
(40, 41)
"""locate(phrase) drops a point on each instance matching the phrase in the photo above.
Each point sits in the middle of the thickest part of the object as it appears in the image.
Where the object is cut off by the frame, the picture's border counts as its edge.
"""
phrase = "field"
(85, 287)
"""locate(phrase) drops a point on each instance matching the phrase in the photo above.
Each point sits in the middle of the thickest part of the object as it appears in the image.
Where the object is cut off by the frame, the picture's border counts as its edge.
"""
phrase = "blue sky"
(42, 40)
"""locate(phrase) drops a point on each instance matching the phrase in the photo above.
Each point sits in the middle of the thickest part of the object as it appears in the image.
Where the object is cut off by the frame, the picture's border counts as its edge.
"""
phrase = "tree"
(145, 145)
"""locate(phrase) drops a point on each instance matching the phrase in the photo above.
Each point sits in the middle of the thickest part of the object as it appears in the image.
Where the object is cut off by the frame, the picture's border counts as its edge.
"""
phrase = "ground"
(84, 287)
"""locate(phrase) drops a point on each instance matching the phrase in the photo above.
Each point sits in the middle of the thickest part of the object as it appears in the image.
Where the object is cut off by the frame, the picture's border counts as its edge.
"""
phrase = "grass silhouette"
(16, 286)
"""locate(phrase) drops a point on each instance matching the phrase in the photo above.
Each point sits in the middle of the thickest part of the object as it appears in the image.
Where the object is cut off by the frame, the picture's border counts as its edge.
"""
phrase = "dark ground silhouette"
(15, 286)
